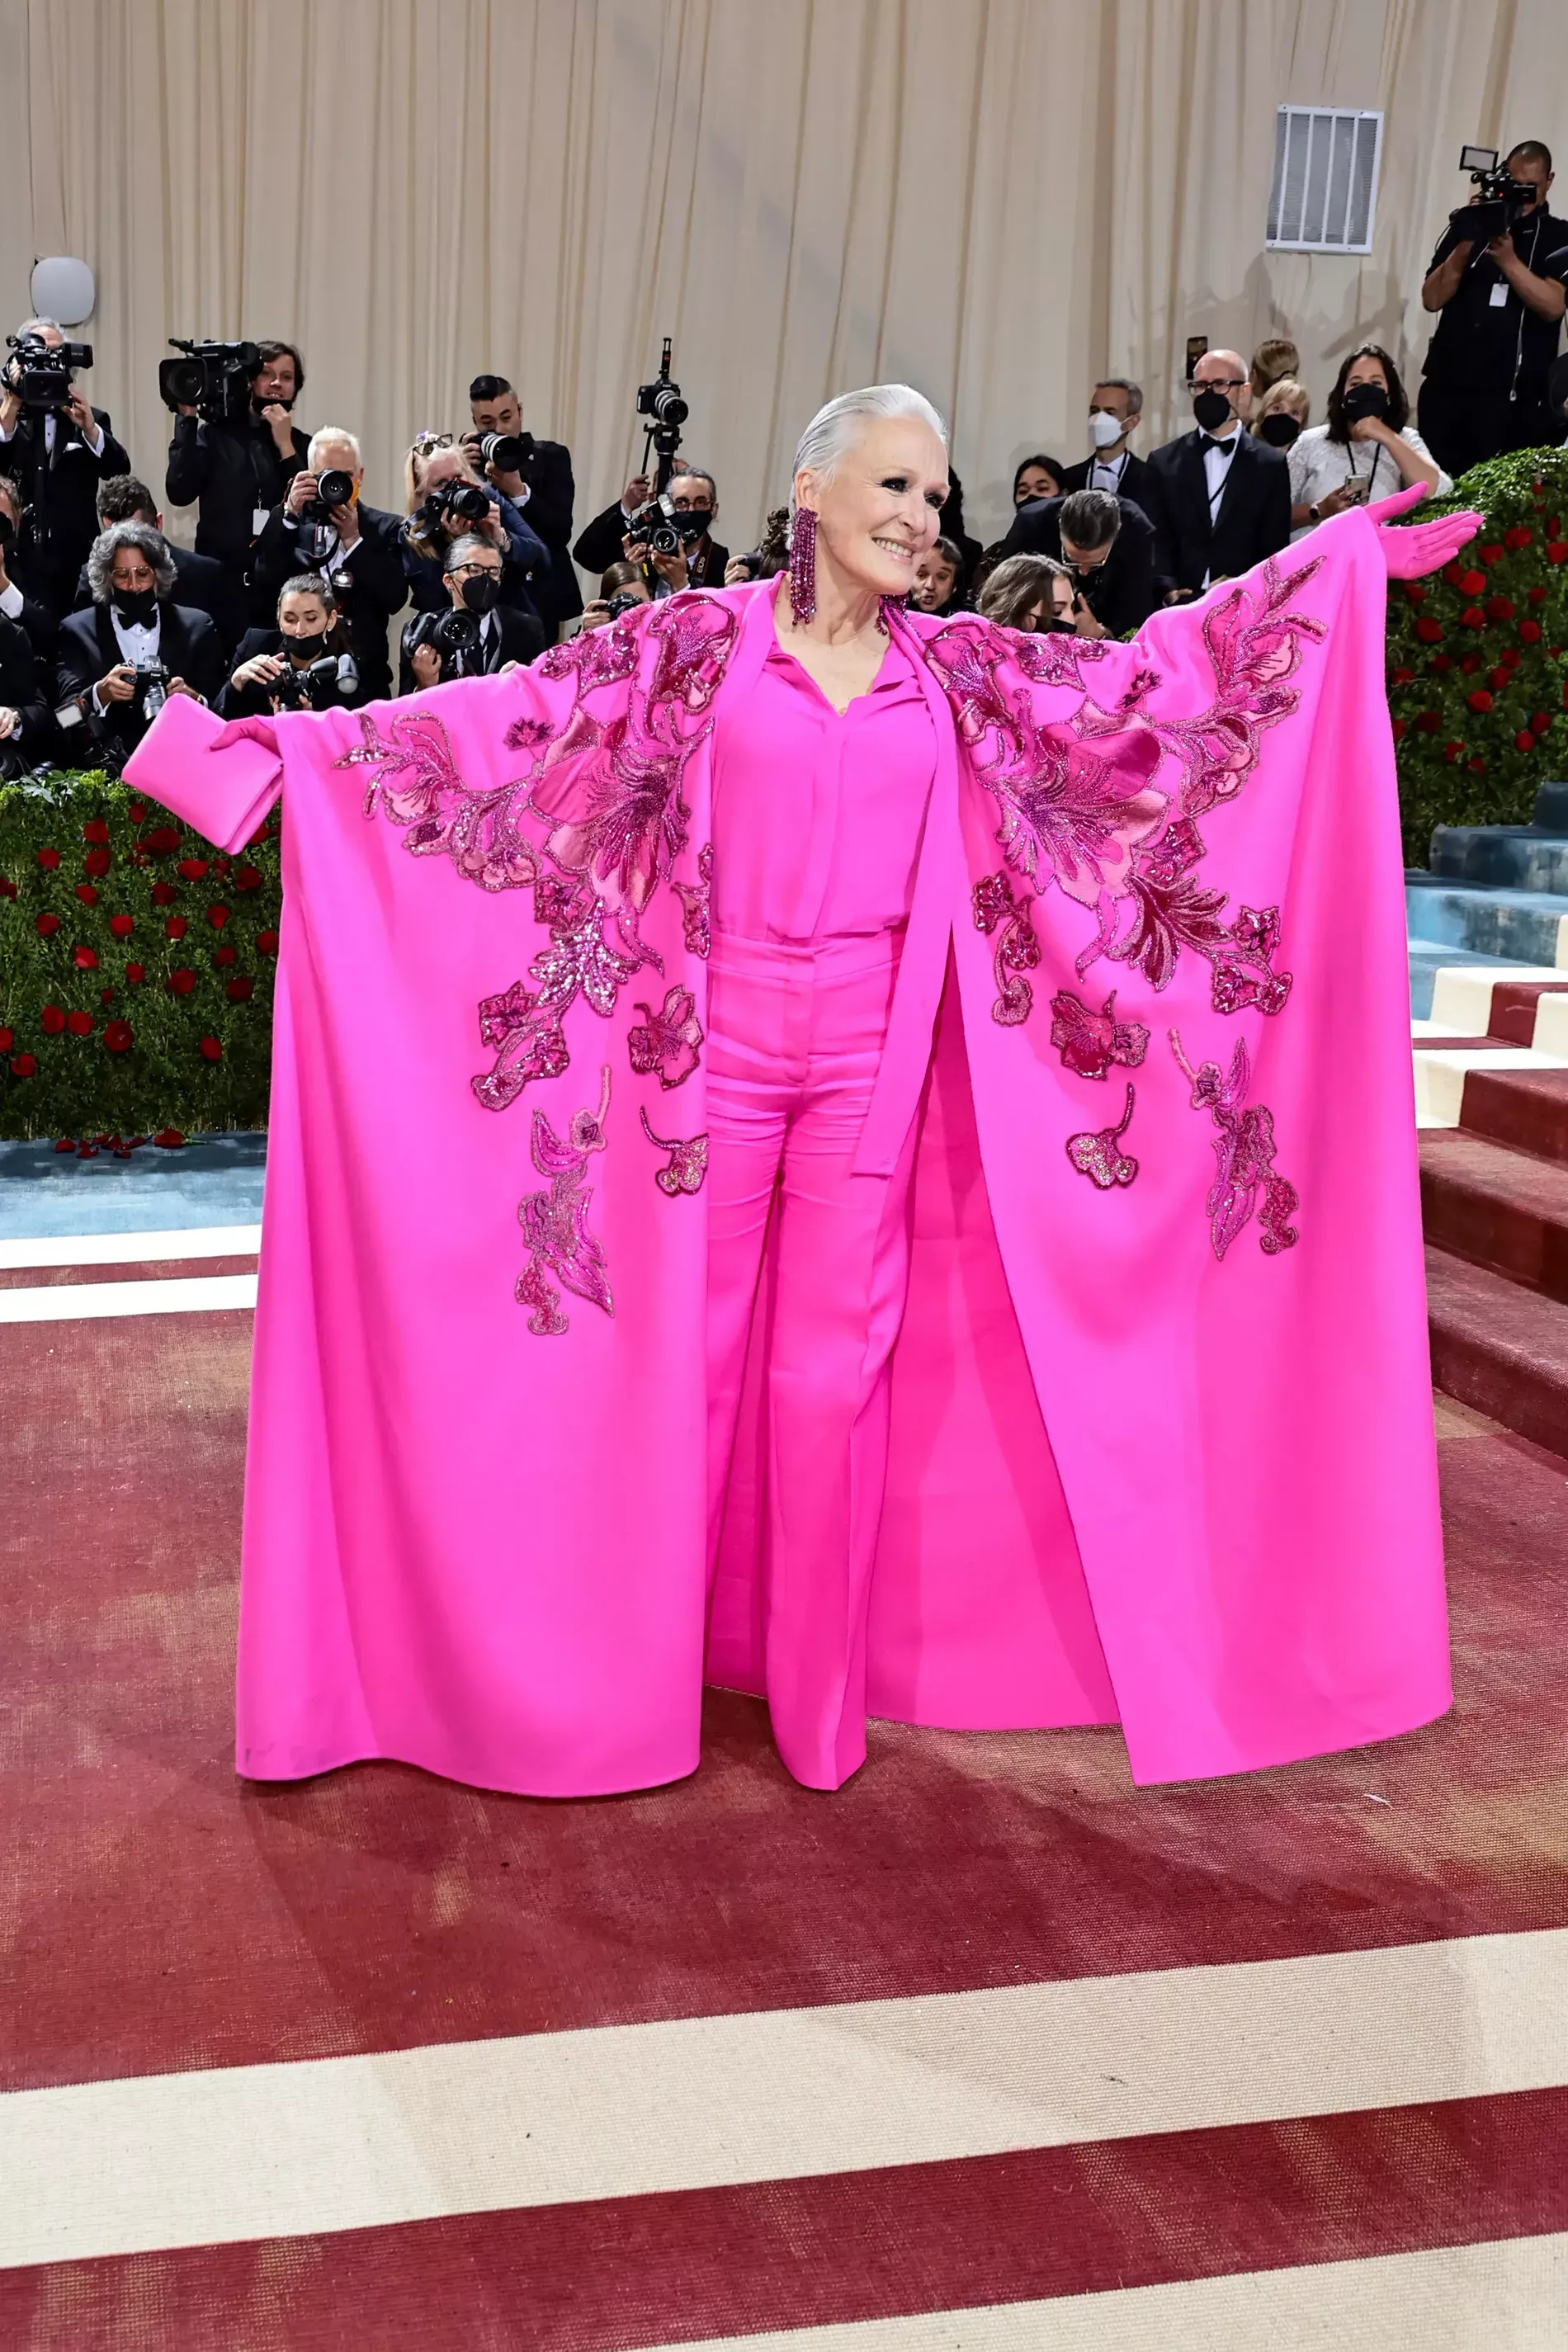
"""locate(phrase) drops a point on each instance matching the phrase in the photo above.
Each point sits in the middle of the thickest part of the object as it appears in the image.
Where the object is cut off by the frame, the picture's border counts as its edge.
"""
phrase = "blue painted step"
(1510, 856)
(1521, 926)
(1426, 960)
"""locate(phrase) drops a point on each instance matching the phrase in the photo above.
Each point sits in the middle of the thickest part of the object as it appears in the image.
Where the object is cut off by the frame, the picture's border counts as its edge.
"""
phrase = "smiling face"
(880, 508)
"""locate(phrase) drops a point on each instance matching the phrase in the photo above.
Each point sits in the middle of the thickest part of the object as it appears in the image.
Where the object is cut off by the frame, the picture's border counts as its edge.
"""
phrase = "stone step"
(1497, 1208)
(1492, 999)
(1519, 926)
(1427, 959)
(1447, 1075)
(1500, 1348)
(1510, 856)
(1520, 1102)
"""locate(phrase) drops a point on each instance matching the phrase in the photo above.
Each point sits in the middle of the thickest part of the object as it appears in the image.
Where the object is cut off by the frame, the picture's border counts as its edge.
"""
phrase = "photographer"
(57, 450)
(27, 722)
(239, 466)
(635, 528)
(447, 501)
(40, 625)
(1107, 546)
(199, 582)
(536, 476)
(620, 590)
(304, 664)
(1484, 388)
(119, 662)
(321, 526)
(477, 634)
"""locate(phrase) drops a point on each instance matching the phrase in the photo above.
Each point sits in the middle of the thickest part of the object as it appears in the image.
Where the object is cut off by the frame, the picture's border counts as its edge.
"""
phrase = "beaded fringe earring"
(803, 566)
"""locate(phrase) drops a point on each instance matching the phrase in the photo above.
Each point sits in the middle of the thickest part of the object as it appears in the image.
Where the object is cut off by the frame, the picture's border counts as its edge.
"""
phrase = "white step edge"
(1440, 1076)
(1462, 994)
(130, 1249)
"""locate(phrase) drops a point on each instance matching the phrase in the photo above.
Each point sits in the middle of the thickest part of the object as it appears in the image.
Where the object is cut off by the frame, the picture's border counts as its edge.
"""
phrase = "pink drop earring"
(803, 566)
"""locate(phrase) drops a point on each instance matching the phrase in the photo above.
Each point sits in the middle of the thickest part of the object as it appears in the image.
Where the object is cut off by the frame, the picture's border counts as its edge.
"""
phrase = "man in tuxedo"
(41, 627)
(357, 549)
(238, 469)
(541, 486)
(508, 636)
(1222, 498)
(1108, 545)
(27, 720)
(107, 655)
(57, 457)
(1115, 411)
(691, 504)
(199, 582)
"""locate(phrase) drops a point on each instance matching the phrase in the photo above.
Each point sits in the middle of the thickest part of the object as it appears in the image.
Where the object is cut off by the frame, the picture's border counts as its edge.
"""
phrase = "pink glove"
(1426, 546)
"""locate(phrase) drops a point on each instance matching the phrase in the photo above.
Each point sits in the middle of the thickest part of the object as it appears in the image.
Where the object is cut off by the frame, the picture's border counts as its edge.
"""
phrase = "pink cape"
(1179, 1232)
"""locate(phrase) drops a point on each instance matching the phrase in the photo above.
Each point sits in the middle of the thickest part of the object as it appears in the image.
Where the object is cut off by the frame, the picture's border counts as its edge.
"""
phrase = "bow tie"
(1226, 447)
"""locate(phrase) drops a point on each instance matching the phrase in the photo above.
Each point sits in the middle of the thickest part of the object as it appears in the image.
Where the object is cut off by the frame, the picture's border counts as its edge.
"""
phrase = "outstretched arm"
(1425, 546)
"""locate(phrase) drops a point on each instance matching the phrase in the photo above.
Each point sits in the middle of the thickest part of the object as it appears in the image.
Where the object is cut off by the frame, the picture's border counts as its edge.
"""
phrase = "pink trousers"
(796, 1037)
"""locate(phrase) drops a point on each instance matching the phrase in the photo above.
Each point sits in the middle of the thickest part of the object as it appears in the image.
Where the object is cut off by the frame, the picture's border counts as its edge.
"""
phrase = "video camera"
(211, 378)
(39, 374)
(1504, 198)
(662, 402)
(454, 635)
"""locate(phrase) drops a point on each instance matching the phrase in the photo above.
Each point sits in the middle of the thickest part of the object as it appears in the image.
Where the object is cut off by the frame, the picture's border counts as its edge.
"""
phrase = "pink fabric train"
(1162, 1447)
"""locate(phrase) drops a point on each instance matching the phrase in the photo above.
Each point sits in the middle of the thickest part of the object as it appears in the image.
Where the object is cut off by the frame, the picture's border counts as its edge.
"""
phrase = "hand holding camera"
(262, 669)
(118, 684)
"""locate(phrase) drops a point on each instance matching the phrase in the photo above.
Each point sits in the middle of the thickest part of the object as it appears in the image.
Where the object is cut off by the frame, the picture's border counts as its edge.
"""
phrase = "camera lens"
(501, 450)
(334, 488)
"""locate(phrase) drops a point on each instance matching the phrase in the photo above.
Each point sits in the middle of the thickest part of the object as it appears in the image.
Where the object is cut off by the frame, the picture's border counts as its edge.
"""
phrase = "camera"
(211, 378)
(453, 504)
(151, 688)
(505, 451)
(39, 374)
(320, 685)
(625, 600)
(454, 635)
(314, 523)
(661, 403)
(1504, 197)
(663, 530)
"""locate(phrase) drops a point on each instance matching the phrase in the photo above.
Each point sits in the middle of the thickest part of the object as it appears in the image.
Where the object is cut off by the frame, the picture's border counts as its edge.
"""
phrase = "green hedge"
(1477, 659)
(136, 967)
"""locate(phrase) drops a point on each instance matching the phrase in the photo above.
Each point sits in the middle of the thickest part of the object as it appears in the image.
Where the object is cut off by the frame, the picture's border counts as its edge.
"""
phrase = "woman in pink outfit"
(962, 1262)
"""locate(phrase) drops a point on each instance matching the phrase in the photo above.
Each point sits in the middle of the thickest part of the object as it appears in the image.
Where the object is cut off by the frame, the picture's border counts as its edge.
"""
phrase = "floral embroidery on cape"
(1246, 1179)
(686, 1165)
(555, 1221)
(1017, 950)
(1100, 1156)
(1092, 1043)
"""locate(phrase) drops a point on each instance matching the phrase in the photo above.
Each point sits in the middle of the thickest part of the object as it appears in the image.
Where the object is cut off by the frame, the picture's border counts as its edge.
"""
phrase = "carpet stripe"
(74, 1302)
(77, 1277)
(125, 1249)
(616, 2111)
(1042, 2224)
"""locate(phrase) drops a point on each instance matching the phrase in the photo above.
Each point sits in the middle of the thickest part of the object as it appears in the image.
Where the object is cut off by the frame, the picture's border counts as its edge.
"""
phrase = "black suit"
(1251, 517)
(1137, 483)
(517, 636)
(61, 487)
(43, 631)
(601, 544)
(232, 470)
(1121, 592)
(188, 648)
(256, 701)
(200, 585)
(370, 581)
(23, 691)
(547, 469)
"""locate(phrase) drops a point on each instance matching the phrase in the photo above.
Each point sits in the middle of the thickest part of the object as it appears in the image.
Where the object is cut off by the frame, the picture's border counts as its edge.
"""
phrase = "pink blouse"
(817, 818)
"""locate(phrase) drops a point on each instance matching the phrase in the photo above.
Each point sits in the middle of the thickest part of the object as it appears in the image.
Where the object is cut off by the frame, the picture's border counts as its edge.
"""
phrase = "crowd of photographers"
(289, 599)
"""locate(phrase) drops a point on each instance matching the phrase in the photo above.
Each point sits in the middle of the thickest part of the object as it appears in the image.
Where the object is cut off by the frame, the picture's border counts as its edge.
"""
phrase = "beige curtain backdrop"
(994, 199)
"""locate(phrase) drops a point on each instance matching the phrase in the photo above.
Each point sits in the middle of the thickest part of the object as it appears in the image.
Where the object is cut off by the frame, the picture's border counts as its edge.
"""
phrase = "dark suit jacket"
(518, 637)
(43, 631)
(200, 584)
(256, 701)
(602, 544)
(187, 646)
(64, 489)
(376, 586)
(547, 470)
(1124, 591)
(1138, 483)
(22, 691)
(231, 469)
(1252, 519)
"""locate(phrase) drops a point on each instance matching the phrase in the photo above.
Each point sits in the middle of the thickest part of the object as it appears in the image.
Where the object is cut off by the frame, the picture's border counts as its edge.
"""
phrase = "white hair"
(836, 428)
(41, 326)
(322, 434)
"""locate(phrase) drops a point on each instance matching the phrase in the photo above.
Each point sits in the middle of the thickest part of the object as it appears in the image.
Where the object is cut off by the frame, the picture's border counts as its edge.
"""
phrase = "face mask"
(691, 522)
(1211, 408)
(137, 609)
(481, 590)
(1365, 400)
(1103, 428)
(1278, 428)
(306, 647)
(260, 400)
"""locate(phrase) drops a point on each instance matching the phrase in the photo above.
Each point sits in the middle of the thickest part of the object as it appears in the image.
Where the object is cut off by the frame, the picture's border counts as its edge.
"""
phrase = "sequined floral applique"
(686, 1165)
(1255, 646)
(694, 900)
(1165, 909)
(417, 786)
(555, 1221)
(1092, 1043)
(667, 1044)
(1002, 916)
(1101, 1157)
(524, 1026)
(1246, 1179)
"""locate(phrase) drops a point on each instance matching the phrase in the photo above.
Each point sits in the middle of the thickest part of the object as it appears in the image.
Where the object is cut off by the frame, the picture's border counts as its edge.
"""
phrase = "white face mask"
(1103, 428)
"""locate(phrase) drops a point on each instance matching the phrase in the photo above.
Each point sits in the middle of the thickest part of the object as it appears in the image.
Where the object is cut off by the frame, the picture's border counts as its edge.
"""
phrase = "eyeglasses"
(1218, 383)
(425, 442)
(467, 571)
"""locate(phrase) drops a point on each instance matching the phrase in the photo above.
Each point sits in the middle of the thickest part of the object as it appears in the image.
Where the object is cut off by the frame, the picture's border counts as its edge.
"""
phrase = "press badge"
(1499, 294)
(259, 520)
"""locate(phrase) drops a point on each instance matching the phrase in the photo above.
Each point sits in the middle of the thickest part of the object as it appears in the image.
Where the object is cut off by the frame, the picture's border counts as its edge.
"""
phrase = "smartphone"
(1197, 346)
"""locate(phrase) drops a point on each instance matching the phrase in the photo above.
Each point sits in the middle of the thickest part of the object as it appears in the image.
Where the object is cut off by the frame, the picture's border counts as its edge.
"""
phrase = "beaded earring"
(803, 566)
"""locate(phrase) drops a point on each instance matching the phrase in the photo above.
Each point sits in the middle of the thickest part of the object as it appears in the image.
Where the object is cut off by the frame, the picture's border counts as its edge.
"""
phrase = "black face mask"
(1211, 408)
(691, 522)
(1280, 428)
(481, 591)
(137, 609)
(1365, 400)
(260, 400)
(306, 648)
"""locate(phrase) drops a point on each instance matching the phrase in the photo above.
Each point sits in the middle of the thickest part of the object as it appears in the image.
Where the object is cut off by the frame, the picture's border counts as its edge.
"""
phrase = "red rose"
(79, 1023)
(1538, 595)
(23, 1067)
(221, 957)
(135, 974)
(162, 839)
(1428, 721)
(246, 877)
(1519, 536)
(175, 928)
(1498, 608)
(241, 989)
(97, 861)
(1524, 741)
(7, 887)
(1416, 590)
(48, 859)
(136, 812)
(84, 960)
(1440, 662)
(1492, 554)
(218, 917)
(1402, 676)
(192, 869)
(6, 1041)
(1541, 720)
(163, 894)
(1477, 767)
(1530, 630)
(119, 1036)
(1470, 664)
(1452, 574)
(95, 830)
(1472, 582)
(1497, 679)
(1553, 526)
(170, 1139)
(106, 996)
(211, 1049)
(86, 894)
(1398, 729)
(1429, 631)
(1509, 657)
(51, 1020)
(1451, 752)
(121, 926)
(65, 1144)
(1557, 552)
(1473, 618)
(1480, 700)
(267, 942)
(182, 983)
